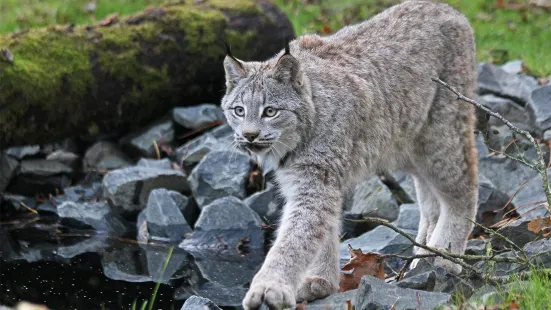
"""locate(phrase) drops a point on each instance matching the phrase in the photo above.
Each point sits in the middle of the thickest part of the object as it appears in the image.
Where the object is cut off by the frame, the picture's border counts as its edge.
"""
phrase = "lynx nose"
(250, 135)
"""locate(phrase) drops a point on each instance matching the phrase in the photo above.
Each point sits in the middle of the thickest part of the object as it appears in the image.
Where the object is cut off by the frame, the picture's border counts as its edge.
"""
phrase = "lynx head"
(268, 105)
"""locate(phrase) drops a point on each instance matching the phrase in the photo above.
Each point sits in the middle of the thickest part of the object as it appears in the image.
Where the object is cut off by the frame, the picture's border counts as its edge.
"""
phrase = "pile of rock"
(200, 197)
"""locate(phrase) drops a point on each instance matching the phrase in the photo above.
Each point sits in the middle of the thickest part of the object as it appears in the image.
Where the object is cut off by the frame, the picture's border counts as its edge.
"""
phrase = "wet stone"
(540, 106)
(334, 301)
(476, 247)
(199, 303)
(376, 294)
(380, 240)
(513, 66)
(94, 245)
(267, 204)
(142, 143)
(490, 203)
(21, 152)
(409, 216)
(529, 201)
(220, 174)
(105, 155)
(95, 214)
(495, 80)
(372, 198)
(163, 218)
(155, 163)
(128, 189)
(40, 176)
(193, 151)
(506, 175)
(196, 117)
(8, 169)
(227, 224)
(69, 159)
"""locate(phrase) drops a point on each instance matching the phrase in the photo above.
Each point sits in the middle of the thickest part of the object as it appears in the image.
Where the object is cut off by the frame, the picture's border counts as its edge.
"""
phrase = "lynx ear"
(235, 69)
(287, 68)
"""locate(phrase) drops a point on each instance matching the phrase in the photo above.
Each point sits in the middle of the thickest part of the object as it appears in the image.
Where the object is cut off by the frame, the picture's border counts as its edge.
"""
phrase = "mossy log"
(118, 75)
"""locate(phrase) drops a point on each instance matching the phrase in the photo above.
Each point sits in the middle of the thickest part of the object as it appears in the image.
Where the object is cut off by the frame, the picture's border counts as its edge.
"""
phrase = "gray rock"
(128, 189)
(222, 295)
(408, 218)
(220, 174)
(199, 303)
(517, 231)
(540, 252)
(142, 143)
(155, 163)
(191, 153)
(506, 175)
(223, 132)
(547, 135)
(529, 201)
(481, 146)
(40, 176)
(226, 224)
(405, 180)
(376, 294)
(104, 155)
(427, 277)
(510, 110)
(495, 80)
(539, 106)
(513, 66)
(43, 168)
(20, 152)
(372, 198)
(69, 159)
(198, 116)
(380, 240)
(267, 204)
(8, 169)
(175, 267)
(163, 216)
(95, 214)
(95, 245)
(490, 203)
(485, 295)
(476, 247)
(334, 301)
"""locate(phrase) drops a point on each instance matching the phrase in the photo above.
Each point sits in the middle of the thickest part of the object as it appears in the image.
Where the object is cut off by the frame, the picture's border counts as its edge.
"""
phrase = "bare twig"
(538, 165)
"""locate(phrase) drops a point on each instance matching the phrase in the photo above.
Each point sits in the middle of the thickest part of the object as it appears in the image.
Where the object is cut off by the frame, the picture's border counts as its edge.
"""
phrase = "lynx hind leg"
(447, 159)
(429, 207)
(322, 277)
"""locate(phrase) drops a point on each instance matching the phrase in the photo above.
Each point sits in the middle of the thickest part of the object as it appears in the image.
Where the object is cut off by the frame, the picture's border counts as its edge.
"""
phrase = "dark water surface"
(43, 262)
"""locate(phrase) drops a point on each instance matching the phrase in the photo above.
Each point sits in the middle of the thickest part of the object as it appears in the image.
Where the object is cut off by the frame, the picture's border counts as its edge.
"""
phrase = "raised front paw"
(273, 294)
(315, 288)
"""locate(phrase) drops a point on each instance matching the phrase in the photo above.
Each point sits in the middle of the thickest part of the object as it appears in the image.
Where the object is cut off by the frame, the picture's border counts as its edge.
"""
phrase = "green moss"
(241, 6)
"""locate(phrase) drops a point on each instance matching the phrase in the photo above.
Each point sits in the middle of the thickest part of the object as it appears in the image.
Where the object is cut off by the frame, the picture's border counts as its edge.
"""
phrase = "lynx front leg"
(311, 212)
(322, 277)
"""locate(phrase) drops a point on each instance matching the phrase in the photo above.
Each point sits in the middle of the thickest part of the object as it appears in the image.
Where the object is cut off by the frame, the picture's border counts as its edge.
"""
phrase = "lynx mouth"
(256, 147)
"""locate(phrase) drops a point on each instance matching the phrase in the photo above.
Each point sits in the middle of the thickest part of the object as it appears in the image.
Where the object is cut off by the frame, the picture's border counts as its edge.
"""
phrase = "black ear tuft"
(228, 49)
(287, 48)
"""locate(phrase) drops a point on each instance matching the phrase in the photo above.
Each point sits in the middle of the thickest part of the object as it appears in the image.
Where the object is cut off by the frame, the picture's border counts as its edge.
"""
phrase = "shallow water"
(43, 262)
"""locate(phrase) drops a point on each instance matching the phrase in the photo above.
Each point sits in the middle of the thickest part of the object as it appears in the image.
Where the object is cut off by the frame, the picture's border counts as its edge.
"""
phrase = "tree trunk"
(118, 75)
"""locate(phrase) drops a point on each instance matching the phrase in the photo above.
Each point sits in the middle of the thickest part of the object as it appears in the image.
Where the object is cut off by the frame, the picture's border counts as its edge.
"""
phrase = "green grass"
(533, 293)
(501, 33)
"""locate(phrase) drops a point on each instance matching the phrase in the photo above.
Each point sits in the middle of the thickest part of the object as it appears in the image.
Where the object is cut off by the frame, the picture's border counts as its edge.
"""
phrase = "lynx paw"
(273, 294)
(314, 288)
(449, 266)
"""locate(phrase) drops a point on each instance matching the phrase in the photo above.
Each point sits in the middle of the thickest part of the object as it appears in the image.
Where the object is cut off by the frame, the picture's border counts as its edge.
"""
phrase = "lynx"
(327, 111)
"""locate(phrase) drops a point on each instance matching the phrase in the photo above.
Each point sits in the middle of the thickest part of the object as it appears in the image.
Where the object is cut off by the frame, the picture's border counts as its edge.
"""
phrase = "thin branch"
(539, 165)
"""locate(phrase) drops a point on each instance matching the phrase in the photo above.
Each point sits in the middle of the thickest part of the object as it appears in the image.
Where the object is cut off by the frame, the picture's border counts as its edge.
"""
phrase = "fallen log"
(65, 81)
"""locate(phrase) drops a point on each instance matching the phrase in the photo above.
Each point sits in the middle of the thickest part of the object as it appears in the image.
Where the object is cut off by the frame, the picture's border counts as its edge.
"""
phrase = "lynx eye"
(239, 111)
(270, 112)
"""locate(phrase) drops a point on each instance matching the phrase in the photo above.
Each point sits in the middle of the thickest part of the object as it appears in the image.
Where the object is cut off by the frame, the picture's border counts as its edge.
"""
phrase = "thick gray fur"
(343, 106)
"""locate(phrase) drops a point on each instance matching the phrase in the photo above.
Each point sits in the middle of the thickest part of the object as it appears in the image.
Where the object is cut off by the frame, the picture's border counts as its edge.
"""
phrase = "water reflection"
(44, 262)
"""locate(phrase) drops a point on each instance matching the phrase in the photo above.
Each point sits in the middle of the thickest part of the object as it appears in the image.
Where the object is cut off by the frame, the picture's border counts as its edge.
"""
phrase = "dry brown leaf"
(514, 305)
(301, 306)
(109, 20)
(361, 264)
(535, 225)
